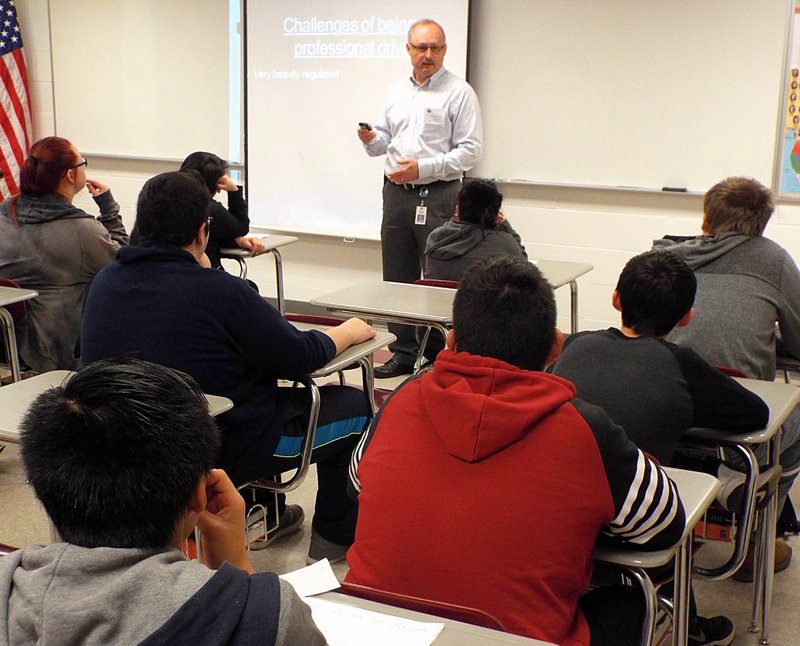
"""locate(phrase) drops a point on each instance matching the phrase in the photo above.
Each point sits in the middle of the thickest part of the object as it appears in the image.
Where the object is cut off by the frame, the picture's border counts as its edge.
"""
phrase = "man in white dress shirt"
(431, 133)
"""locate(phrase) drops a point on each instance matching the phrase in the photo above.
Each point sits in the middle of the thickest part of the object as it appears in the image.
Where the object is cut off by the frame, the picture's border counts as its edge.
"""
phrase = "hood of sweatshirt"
(152, 250)
(702, 250)
(455, 238)
(60, 593)
(494, 402)
(44, 208)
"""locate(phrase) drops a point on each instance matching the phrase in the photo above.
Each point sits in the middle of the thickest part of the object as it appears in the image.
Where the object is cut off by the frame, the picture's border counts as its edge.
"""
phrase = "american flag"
(15, 103)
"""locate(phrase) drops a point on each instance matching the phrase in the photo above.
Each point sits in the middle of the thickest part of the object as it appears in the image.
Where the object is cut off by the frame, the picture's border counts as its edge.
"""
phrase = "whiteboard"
(629, 93)
(141, 79)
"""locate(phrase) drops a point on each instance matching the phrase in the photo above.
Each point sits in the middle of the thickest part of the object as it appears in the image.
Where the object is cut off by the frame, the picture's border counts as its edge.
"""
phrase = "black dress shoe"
(392, 368)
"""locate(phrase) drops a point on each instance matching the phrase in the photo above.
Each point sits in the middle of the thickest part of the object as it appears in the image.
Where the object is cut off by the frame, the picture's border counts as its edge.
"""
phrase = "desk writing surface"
(781, 398)
(697, 491)
(455, 633)
(271, 241)
(350, 355)
(11, 295)
(385, 299)
(561, 272)
(16, 398)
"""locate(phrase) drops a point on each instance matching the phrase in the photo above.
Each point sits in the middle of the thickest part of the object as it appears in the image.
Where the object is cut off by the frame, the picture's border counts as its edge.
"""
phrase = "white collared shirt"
(438, 123)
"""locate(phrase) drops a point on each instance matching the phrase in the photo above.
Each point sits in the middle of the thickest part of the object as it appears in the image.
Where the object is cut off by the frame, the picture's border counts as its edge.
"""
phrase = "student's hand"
(256, 245)
(96, 188)
(225, 183)
(406, 173)
(222, 524)
(351, 332)
(366, 136)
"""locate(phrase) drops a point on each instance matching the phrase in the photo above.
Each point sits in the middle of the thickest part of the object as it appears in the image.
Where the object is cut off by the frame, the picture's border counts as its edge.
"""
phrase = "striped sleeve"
(647, 508)
(650, 507)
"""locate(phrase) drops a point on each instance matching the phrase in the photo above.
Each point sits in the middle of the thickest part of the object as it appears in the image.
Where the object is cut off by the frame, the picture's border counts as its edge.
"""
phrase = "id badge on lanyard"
(421, 215)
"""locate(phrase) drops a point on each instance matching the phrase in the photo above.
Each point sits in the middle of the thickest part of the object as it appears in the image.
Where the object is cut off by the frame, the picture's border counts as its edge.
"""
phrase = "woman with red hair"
(52, 246)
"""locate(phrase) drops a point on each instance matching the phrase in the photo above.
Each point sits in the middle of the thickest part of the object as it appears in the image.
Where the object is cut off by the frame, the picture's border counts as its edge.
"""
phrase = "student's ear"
(197, 501)
(615, 301)
(556, 347)
(686, 319)
(458, 213)
(201, 237)
(704, 227)
(450, 341)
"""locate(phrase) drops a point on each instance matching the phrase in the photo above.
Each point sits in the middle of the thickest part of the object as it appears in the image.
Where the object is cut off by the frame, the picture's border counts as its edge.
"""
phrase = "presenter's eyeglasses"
(423, 47)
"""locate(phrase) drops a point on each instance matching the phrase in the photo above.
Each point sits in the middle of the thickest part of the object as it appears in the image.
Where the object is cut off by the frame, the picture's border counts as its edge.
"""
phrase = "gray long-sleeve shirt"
(745, 286)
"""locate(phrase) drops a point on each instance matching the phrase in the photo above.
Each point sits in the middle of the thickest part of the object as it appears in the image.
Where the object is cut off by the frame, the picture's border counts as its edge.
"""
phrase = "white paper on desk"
(313, 579)
(345, 625)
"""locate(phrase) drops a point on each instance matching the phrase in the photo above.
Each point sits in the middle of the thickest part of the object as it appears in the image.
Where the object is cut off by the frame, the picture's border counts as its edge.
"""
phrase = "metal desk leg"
(765, 555)
(573, 303)
(279, 279)
(10, 339)
(421, 351)
(683, 579)
(368, 380)
(242, 267)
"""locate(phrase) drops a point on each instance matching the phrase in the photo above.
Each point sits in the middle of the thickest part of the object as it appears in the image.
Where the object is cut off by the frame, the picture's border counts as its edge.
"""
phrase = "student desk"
(394, 302)
(562, 272)
(455, 633)
(272, 242)
(9, 296)
(16, 398)
(781, 399)
(360, 355)
(697, 492)
(423, 305)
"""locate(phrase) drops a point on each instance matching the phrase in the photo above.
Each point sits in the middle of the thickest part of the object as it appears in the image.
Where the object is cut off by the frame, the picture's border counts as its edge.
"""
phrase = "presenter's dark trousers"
(403, 243)
(344, 414)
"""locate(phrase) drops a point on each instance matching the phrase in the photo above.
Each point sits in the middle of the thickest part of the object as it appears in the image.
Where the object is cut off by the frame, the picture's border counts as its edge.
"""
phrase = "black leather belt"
(416, 187)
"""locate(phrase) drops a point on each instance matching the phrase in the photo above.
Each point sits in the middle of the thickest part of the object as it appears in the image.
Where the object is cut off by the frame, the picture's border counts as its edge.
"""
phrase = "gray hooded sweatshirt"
(56, 248)
(745, 286)
(454, 246)
(65, 594)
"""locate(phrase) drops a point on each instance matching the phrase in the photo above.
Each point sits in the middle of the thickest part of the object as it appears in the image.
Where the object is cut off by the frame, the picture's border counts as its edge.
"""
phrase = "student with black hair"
(435, 470)
(231, 224)
(477, 229)
(157, 303)
(657, 390)
(120, 457)
(654, 389)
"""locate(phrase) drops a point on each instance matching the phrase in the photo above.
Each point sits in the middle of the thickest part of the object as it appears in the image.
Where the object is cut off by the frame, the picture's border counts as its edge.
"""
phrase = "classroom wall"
(603, 227)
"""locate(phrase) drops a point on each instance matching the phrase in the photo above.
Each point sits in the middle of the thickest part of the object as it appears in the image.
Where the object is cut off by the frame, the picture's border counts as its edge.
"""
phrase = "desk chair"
(430, 282)
(257, 512)
(379, 395)
(7, 549)
(9, 357)
(788, 366)
(452, 611)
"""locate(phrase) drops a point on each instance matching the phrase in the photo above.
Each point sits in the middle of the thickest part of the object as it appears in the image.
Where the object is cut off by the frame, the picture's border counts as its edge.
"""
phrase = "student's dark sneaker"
(392, 368)
(291, 520)
(711, 631)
